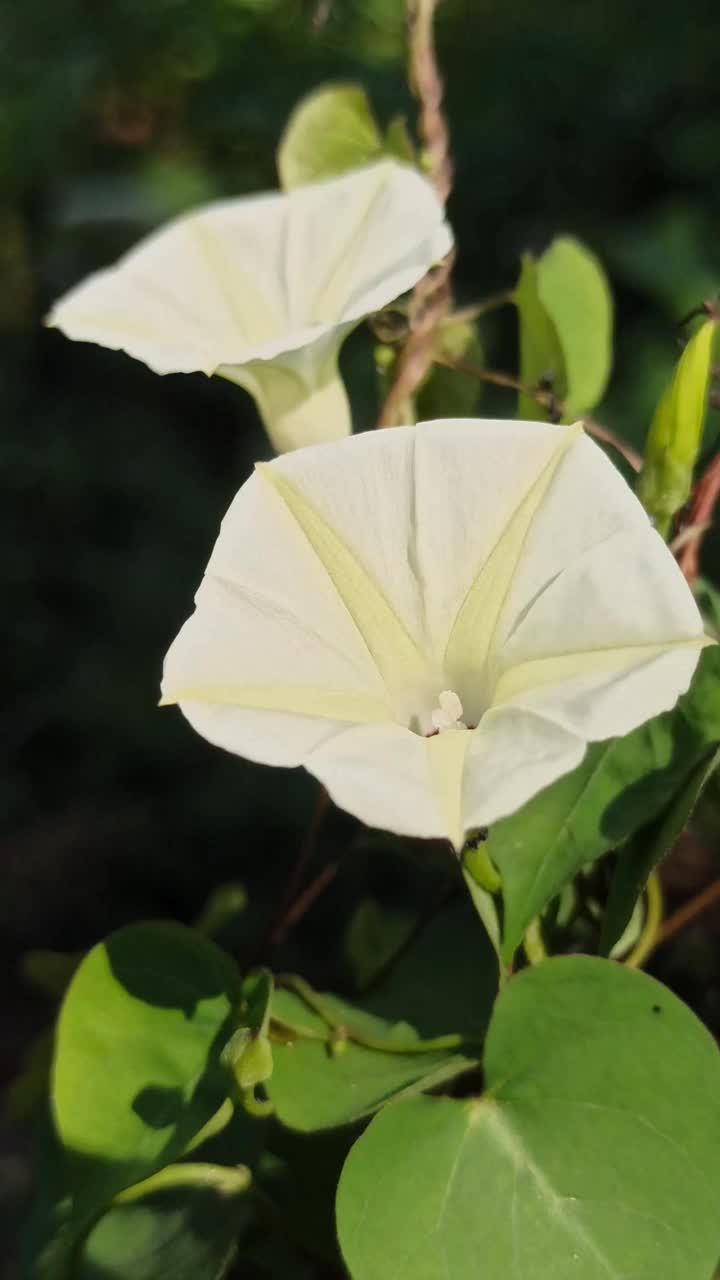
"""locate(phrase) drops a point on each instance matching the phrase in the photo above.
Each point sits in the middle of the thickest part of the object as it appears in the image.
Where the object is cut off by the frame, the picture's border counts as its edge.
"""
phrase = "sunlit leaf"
(136, 1072)
(587, 1156)
(331, 130)
(565, 312)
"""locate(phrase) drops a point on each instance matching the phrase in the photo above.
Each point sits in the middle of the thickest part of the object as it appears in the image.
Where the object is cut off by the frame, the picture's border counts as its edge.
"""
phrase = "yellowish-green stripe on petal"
(396, 655)
(446, 758)
(473, 632)
(527, 676)
(324, 704)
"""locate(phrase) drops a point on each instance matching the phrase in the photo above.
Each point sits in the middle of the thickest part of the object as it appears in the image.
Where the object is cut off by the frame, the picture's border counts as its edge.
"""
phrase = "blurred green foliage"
(599, 121)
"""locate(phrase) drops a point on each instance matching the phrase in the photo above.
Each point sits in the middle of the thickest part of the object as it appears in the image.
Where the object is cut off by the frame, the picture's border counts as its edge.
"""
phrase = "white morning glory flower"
(435, 620)
(265, 289)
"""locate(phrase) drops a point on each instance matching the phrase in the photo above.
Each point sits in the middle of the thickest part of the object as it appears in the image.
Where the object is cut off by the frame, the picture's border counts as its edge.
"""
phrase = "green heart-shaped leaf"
(594, 1152)
(330, 131)
(136, 1072)
(565, 311)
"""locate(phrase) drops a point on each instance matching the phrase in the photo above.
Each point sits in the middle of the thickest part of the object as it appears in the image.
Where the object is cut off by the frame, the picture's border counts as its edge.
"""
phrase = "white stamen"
(447, 715)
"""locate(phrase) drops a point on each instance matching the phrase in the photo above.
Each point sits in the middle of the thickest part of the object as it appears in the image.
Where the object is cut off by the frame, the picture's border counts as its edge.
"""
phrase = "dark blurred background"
(602, 120)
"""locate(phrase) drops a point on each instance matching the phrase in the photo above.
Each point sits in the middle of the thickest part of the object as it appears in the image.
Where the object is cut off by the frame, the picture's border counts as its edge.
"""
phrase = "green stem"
(314, 1001)
(227, 1180)
(533, 942)
(653, 919)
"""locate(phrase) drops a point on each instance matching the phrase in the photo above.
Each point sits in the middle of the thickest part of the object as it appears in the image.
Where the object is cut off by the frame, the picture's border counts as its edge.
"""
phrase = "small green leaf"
(620, 786)
(312, 1088)
(186, 1231)
(541, 356)
(224, 905)
(136, 1072)
(331, 130)
(50, 971)
(374, 935)
(565, 313)
(646, 849)
(676, 431)
(708, 599)
(590, 1154)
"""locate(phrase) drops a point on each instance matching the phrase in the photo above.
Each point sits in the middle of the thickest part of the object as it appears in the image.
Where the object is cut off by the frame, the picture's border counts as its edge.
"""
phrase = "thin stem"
(535, 949)
(336, 1024)
(283, 917)
(302, 905)
(650, 934)
(702, 506)
(431, 297)
(474, 310)
(687, 913)
(601, 432)
(547, 400)
(427, 85)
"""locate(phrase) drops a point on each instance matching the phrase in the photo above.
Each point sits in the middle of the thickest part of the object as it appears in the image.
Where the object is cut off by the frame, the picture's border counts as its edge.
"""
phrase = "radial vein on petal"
(325, 704)
(536, 672)
(395, 654)
(473, 632)
(446, 759)
(231, 283)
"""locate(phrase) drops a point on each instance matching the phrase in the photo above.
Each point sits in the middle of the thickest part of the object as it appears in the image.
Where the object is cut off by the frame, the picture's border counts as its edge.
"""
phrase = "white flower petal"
(364, 594)
(252, 278)
(470, 477)
(366, 495)
(382, 775)
(600, 694)
(268, 616)
(513, 755)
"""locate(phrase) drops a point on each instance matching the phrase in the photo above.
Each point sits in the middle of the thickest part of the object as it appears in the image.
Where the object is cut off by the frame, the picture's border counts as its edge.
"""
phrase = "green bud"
(481, 869)
(255, 1064)
(675, 434)
(338, 1044)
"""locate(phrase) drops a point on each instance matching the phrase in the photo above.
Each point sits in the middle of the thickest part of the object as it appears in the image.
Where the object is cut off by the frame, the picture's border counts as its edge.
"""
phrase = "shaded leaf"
(187, 1232)
(315, 1086)
(374, 935)
(446, 981)
(620, 786)
(646, 849)
(587, 1156)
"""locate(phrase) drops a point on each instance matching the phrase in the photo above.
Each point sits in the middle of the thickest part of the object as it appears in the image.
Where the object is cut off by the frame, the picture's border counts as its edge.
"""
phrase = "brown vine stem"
(687, 913)
(548, 402)
(431, 297)
(304, 902)
(699, 519)
(283, 920)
